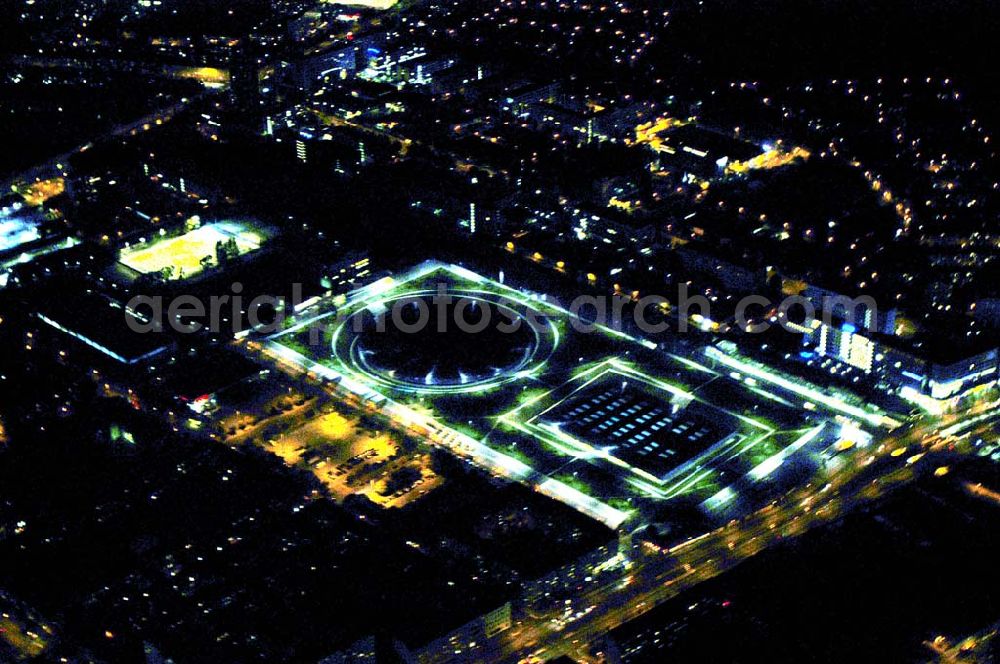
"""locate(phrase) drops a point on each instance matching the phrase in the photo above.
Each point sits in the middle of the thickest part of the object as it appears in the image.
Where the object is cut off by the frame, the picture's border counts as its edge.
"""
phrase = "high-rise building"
(244, 78)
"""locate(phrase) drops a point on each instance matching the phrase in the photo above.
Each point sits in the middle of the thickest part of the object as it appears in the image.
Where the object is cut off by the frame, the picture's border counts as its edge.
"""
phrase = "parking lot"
(352, 455)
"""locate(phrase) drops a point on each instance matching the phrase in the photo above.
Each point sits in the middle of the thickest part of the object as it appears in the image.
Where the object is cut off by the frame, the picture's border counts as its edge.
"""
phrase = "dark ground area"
(870, 589)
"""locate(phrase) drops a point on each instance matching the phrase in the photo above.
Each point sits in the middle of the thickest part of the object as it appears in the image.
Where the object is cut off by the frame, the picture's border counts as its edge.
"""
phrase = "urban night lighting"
(370, 331)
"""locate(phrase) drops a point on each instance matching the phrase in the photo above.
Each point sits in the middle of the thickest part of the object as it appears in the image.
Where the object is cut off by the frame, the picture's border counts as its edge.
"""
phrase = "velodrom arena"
(601, 420)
